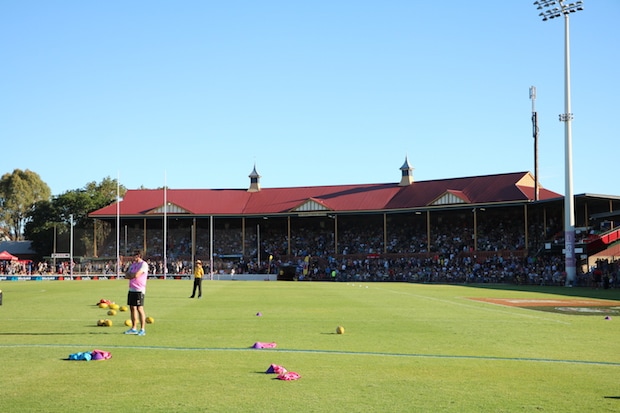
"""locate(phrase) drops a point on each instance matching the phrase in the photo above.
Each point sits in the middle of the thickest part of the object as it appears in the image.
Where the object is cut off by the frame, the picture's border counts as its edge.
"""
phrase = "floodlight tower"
(550, 10)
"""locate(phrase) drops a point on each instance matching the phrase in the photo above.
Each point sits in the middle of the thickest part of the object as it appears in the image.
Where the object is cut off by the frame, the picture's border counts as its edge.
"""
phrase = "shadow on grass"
(609, 294)
(613, 397)
(50, 334)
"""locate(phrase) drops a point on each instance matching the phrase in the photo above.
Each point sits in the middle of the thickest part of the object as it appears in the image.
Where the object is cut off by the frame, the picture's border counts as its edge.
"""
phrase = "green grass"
(406, 348)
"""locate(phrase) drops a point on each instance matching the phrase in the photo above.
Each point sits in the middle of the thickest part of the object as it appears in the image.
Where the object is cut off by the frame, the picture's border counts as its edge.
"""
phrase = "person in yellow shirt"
(198, 273)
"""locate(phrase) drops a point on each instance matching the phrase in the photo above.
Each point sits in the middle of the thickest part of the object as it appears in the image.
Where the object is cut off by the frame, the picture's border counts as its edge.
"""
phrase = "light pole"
(550, 10)
(535, 135)
(118, 229)
(54, 254)
(165, 256)
(71, 247)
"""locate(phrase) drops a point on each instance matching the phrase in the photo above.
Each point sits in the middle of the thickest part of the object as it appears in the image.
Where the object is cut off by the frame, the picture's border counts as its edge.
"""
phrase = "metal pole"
(118, 230)
(211, 247)
(535, 134)
(71, 247)
(165, 269)
(550, 12)
(569, 202)
(258, 246)
(193, 235)
(54, 254)
(475, 230)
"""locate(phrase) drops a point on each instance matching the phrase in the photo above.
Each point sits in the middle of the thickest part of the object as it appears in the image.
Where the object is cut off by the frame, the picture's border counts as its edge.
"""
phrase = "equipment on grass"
(340, 330)
(112, 312)
(150, 320)
(128, 323)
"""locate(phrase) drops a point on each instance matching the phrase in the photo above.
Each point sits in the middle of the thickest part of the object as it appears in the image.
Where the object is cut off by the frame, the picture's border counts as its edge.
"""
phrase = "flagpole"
(165, 269)
(118, 227)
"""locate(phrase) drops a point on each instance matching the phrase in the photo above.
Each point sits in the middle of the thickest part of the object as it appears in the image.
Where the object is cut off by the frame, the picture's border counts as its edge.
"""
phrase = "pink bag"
(291, 375)
(274, 368)
(259, 344)
(101, 355)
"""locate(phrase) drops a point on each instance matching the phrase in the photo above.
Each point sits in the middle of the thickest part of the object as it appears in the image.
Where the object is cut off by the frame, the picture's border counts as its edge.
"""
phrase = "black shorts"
(135, 298)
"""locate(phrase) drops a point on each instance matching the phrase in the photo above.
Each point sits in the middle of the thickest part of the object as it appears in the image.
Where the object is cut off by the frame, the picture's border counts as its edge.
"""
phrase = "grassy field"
(406, 348)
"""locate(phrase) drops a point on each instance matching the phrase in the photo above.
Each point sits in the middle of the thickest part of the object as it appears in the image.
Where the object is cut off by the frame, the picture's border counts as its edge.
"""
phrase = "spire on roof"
(407, 174)
(254, 181)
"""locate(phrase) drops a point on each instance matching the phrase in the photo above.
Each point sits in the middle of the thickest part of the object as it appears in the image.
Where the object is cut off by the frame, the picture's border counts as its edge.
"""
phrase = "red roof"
(510, 187)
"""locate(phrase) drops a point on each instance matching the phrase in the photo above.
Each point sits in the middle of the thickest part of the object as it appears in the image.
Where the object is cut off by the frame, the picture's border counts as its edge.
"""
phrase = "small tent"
(6, 256)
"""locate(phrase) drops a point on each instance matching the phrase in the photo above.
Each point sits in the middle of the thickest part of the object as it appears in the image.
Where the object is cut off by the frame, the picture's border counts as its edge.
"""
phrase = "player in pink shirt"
(137, 275)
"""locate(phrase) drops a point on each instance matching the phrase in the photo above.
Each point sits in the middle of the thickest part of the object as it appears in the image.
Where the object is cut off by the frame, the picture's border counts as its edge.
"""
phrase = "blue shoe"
(141, 333)
(131, 331)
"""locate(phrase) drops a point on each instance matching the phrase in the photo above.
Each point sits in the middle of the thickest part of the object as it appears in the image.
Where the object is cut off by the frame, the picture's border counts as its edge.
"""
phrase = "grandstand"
(490, 228)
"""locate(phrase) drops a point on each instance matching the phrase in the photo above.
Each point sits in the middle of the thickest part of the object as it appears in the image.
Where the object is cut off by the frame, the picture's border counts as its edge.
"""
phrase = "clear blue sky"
(194, 93)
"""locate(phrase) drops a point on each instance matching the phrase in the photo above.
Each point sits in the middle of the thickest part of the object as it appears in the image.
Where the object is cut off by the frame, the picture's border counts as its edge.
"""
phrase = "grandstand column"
(211, 247)
(384, 233)
(288, 235)
(428, 230)
(193, 235)
(525, 229)
(258, 245)
(475, 230)
(144, 246)
(335, 234)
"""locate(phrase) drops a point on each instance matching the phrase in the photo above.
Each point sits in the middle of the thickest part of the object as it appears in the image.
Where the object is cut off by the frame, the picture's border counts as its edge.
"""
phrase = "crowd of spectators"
(413, 249)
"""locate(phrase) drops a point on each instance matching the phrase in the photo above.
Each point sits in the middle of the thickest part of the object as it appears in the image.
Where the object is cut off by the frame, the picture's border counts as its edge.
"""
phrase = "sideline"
(328, 352)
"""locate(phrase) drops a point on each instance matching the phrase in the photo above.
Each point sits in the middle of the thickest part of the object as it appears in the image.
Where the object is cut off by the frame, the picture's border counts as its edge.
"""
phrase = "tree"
(19, 193)
(44, 228)
(52, 220)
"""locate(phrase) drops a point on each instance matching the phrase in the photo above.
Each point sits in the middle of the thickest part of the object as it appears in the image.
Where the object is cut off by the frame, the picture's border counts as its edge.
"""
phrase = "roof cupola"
(407, 174)
(254, 181)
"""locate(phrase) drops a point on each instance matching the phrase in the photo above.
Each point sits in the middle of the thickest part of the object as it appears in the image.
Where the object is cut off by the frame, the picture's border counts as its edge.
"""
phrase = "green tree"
(19, 193)
(44, 228)
(52, 221)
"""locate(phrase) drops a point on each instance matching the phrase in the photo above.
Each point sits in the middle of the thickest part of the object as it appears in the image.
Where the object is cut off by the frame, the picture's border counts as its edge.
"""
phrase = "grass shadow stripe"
(329, 352)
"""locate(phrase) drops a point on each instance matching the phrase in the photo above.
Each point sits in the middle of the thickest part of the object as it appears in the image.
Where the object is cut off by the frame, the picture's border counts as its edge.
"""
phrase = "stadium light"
(550, 10)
